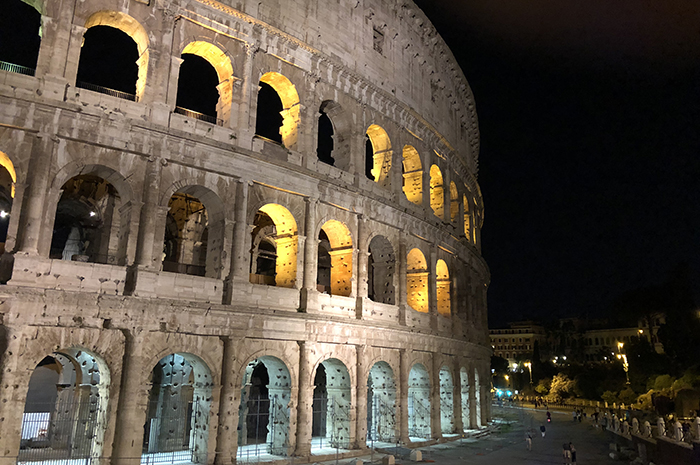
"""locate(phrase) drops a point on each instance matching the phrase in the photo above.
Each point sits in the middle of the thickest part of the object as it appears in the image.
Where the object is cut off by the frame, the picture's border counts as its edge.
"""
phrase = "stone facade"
(165, 269)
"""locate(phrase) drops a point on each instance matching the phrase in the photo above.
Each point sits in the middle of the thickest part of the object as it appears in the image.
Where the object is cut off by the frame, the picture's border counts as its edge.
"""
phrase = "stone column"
(240, 257)
(242, 107)
(432, 288)
(402, 402)
(361, 396)
(72, 60)
(401, 259)
(447, 218)
(362, 272)
(473, 423)
(32, 216)
(309, 292)
(171, 96)
(226, 438)
(435, 399)
(148, 254)
(457, 397)
(304, 406)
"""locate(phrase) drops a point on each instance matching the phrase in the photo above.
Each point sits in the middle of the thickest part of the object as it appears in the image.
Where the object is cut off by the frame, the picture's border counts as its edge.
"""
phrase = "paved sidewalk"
(507, 445)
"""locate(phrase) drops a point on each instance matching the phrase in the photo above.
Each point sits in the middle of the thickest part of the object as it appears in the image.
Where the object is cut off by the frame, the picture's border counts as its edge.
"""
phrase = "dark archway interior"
(196, 85)
(258, 417)
(320, 403)
(108, 59)
(269, 118)
(20, 33)
(325, 139)
(323, 274)
(369, 158)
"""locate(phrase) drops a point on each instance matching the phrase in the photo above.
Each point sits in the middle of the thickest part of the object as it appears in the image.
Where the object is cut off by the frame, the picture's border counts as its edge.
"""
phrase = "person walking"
(528, 441)
(542, 430)
(573, 453)
(566, 452)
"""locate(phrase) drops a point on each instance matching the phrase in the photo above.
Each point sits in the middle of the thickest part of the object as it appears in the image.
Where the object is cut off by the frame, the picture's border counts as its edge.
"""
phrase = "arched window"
(419, 402)
(437, 195)
(378, 155)
(381, 404)
(417, 281)
(339, 249)
(20, 37)
(274, 247)
(331, 406)
(186, 236)
(277, 115)
(443, 288)
(412, 175)
(325, 139)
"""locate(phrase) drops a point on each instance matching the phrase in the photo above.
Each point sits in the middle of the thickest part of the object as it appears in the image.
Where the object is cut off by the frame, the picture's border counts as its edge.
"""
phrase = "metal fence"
(417, 410)
(381, 422)
(198, 115)
(106, 90)
(13, 68)
(62, 432)
(169, 433)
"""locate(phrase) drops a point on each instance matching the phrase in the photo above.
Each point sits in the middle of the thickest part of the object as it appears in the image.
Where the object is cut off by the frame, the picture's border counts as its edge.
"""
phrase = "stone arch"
(381, 266)
(337, 238)
(178, 410)
(66, 407)
(274, 247)
(89, 223)
(442, 274)
(417, 281)
(419, 402)
(437, 195)
(221, 63)
(467, 218)
(264, 409)
(454, 202)
(412, 175)
(8, 179)
(447, 420)
(131, 27)
(464, 390)
(378, 155)
(332, 405)
(341, 122)
(381, 403)
(197, 214)
(290, 106)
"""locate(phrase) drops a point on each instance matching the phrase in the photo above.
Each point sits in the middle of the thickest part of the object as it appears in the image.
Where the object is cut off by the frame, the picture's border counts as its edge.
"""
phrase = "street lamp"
(623, 357)
(529, 368)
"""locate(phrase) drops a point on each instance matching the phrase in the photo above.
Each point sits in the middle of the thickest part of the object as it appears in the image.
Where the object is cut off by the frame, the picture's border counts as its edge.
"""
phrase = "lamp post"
(623, 357)
(529, 368)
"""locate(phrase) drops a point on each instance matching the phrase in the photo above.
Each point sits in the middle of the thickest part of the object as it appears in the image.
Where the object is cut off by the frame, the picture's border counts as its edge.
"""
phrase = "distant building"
(517, 341)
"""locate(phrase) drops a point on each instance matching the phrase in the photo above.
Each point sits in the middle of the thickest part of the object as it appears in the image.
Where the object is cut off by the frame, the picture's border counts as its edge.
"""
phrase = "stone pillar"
(243, 107)
(432, 287)
(435, 399)
(457, 397)
(362, 258)
(240, 257)
(32, 215)
(473, 410)
(361, 397)
(304, 406)
(148, 254)
(402, 402)
(309, 292)
(226, 438)
(401, 259)
(171, 97)
(72, 60)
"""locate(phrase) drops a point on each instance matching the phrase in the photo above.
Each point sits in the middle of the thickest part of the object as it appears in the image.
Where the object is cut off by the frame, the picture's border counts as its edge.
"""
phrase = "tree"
(562, 388)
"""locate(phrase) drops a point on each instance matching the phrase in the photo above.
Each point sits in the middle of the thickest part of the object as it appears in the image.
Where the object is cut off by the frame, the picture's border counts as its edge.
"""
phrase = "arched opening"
(417, 281)
(186, 236)
(20, 37)
(380, 273)
(65, 412)
(324, 150)
(381, 404)
(87, 222)
(443, 288)
(204, 88)
(419, 403)
(454, 202)
(378, 155)
(274, 247)
(335, 243)
(331, 406)
(263, 422)
(8, 177)
(467, 218)
(464, 385)
(447, 422)
(477, 397)
(412, 175)
(277, 117)
(179, 404)
(437, 195)
(114, 55)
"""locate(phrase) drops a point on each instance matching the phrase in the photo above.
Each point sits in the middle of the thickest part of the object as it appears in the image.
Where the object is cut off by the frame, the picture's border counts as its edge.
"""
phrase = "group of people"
(569, 451)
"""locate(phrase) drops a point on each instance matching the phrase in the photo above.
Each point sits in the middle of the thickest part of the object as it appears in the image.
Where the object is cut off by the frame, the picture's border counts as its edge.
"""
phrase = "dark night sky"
(589, 113)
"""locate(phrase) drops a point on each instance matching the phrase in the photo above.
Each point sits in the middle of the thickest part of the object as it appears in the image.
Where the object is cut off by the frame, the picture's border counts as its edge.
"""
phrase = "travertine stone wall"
(405, 312)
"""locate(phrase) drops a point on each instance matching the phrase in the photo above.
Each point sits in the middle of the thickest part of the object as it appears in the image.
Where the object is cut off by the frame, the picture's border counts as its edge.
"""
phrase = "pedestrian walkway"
(506, 444)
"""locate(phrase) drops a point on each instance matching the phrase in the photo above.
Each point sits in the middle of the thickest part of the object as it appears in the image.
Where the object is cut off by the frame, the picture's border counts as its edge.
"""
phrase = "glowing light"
(92, 214)
(3, 214)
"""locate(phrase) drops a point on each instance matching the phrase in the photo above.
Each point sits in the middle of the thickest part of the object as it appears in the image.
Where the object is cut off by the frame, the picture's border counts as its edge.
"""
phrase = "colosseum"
(235, 231)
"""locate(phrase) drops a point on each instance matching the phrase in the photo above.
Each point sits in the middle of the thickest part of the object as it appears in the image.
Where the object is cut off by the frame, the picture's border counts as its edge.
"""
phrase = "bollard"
(416, 455)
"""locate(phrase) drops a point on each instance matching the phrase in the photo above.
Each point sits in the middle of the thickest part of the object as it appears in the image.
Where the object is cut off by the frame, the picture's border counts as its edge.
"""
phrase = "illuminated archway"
(379, 148)
(417, 281)
(437, 195)
(331, 406)
(341, 252)
(412, 175)
(133, 29)
(8, 178)
(443, 288)
(274, 247)
(454, 202)
(467, 218)
(381, 403)
(419, 402)
(290, 106)
(447, 424)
